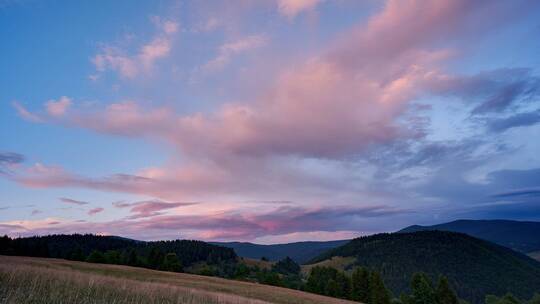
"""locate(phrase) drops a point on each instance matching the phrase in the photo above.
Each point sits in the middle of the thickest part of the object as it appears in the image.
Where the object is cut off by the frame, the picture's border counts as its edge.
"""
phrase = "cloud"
(518, 120)
(235, 224)
(130, 66)
(95, 211)
(335, 106)
(9, 160)
(230, 49)
(72, 201)
(35, 212)
(25, 114)
(291, 8)
(149, 208)
(58, 107)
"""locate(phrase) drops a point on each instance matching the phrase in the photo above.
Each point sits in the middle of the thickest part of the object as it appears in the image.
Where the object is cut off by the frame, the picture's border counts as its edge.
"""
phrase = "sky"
(266, 121)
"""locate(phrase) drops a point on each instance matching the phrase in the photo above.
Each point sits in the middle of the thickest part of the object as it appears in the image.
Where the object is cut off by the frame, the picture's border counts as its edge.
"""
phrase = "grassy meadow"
(41, 280)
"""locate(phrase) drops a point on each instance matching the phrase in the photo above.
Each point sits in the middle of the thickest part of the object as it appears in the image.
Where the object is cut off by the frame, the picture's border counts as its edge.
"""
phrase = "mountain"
(520, 236)
(300, 252)
(473, 266)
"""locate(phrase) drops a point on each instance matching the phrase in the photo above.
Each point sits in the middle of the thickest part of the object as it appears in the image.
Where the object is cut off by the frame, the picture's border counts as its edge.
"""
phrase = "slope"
(474, 267)
(43, 280)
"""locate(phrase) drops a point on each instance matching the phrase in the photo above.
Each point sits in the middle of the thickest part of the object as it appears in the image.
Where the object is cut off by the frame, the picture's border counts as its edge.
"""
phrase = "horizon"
(266, 122)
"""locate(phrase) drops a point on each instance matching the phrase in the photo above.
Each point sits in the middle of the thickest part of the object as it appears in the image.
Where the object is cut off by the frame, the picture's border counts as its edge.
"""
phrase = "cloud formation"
(149, 208)
(130, 66)
(72, 201)
(95, 211)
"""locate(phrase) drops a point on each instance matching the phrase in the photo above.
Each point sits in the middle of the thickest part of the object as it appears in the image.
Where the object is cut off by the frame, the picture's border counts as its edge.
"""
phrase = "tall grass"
(28, 280)
(22, 284)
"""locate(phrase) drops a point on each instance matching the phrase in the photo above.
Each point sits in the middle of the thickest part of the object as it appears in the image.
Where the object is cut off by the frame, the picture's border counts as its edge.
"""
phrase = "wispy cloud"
(130, 66)
(72, 201)
(95, 211)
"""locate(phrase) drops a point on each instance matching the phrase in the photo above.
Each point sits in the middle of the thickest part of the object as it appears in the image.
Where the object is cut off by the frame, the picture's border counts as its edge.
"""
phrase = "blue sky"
(266, 121)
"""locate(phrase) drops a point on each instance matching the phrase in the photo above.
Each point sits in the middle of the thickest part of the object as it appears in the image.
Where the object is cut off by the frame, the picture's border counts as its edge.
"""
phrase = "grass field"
(40, 280)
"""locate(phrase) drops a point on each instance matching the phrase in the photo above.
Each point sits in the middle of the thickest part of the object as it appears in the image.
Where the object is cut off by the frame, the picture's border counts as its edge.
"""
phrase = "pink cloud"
(95, 211)
(236, 224)
(291, 8)
(332, 106)
(58, 107)
(149, 208)
(230, 49)
(130, 66)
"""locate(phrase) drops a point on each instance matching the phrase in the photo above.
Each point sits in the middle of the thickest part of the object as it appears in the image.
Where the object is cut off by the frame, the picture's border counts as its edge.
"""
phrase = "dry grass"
(38, 280)
(335, 262)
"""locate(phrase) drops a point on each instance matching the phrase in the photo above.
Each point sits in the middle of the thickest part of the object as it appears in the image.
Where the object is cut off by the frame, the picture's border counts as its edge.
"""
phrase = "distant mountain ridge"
(473, 266)
(300, 252)
(518, 235)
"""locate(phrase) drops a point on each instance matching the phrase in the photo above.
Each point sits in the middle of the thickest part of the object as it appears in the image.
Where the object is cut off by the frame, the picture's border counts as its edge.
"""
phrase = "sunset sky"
(266, 121)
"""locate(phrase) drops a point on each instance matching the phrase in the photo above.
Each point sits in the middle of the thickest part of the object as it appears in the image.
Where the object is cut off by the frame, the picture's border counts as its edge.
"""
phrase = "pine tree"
(445, 294)
(96, 257)
(360, 285)
(422, 291)
(171, 263)
(378, 294)
(535, 299)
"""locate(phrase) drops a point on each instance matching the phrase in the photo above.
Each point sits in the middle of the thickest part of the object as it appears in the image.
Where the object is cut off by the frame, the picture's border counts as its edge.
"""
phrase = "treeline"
(368, 287)
(161, 255)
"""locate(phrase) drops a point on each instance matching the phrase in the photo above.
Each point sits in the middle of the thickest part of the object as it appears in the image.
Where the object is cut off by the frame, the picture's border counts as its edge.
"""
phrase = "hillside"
(474, 267)
(78, 247)
(61, 281)
(300, 252)
(520, 236)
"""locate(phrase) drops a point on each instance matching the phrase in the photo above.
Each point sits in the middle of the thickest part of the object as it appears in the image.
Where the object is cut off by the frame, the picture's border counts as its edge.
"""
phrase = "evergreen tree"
(445, 294)
(77, 254)
(535, 299)
(171, 263)
(286, 266)
(422, 291)
(155, 258)
(96, 257)
(378, 294)
(360, 285)
(112, 257)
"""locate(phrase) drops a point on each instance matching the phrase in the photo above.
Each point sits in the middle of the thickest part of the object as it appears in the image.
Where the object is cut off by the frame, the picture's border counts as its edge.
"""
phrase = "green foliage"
(96, 257)
(112, 257)
(422, 291)
(506, 299)
(171, 263)
(360, 285)
(535, 299)
(286, 266)
(445, 294)
(378, 294)
(329, 281)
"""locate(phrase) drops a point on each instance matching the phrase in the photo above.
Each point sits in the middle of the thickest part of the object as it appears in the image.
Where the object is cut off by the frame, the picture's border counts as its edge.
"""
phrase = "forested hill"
(300, 252)
(125, 251)
(518, 235)
(474, 267)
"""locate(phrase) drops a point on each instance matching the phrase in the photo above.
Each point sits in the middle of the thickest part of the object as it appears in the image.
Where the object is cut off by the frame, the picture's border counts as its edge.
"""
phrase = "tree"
(378, 294)
(155, 258)
(96, 257)
(286, 266)
(112, 257)
(171, 263)
(360, 285)
(422, 291)
(535, 299)
(445, 294)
